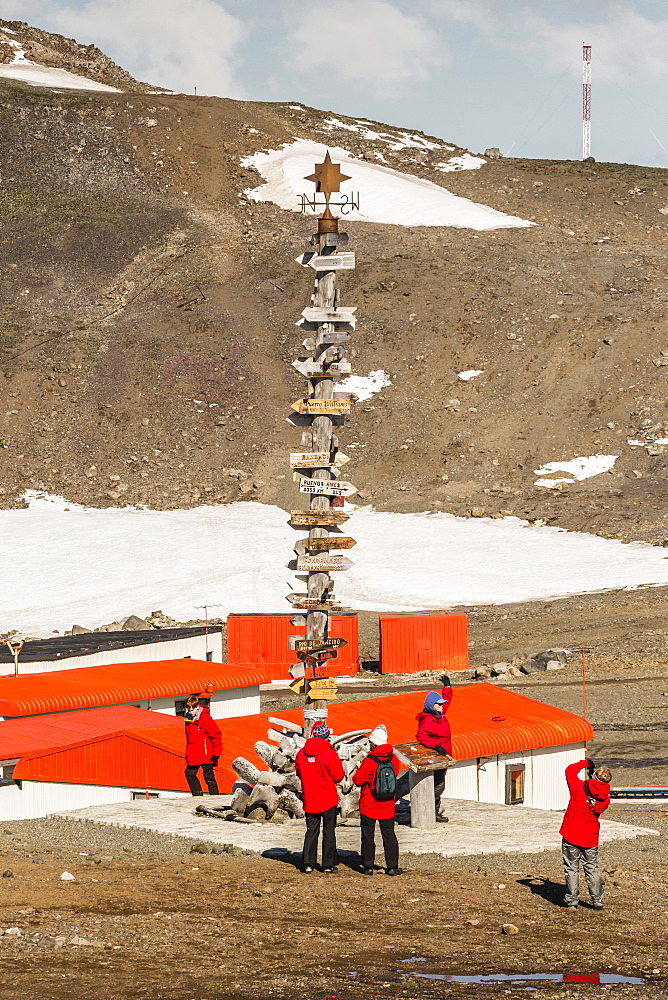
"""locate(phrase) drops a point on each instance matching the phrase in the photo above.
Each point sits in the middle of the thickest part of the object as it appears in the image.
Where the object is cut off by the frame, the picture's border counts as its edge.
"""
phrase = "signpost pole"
(318, 436)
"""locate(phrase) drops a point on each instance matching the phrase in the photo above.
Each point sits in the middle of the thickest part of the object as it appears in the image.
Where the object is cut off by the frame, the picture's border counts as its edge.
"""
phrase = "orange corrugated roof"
(115, 683)
(43, 733)
(485, 721)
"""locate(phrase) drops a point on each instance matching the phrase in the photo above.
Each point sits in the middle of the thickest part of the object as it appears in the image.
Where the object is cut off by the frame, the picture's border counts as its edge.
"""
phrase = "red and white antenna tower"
(586, 101)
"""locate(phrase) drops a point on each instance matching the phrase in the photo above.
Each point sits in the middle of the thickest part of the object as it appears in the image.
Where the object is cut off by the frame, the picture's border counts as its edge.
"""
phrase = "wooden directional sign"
(323, 564)
(323, 314)
(316, 460)
(322, 689)
(311, 517)
(333, 542)
(328, 488)
(310, 368)
(315, 645)
(318, 406)
(333, 262)
(335, 337)
(305, 603)
(309, 459)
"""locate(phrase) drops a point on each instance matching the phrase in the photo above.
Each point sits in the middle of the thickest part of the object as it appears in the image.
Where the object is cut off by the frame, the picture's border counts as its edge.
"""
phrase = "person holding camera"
(204, 745)
(580, 830)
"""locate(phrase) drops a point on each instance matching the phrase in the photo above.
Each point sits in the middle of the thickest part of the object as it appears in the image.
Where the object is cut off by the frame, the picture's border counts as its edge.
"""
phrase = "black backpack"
(385, 784)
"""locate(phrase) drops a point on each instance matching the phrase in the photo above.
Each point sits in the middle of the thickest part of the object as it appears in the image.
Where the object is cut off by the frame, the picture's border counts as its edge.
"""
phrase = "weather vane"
(328, 178)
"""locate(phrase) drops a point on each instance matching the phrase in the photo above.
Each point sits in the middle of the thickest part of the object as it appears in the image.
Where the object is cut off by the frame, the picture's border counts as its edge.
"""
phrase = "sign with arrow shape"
(323, 314)
(323, 564)
(315, 645)
(310, 368)
(338, 407)
(306, 518)
(333, 542)
(327, 487)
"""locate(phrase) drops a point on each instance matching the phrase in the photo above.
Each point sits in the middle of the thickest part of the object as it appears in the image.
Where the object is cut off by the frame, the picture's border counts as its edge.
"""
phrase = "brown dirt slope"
(135, 282)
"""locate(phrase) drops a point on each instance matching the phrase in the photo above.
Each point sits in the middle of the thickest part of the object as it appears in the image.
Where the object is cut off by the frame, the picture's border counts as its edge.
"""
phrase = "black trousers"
(390, 842)
(330, 857)
(439, 787)
(209, 777)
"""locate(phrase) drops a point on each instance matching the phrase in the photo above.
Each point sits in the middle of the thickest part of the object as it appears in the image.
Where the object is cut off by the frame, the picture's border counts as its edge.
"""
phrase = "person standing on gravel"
(434, 733)
(319, 768)
(580, 830)
(377, 777)
(204, 744)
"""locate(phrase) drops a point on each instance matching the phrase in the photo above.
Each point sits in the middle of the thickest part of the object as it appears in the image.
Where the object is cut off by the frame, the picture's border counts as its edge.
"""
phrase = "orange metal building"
(413, 643)
(496, 733)
(262, 641)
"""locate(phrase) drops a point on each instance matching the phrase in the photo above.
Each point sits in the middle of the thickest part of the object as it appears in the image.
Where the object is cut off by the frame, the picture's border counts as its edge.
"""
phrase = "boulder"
(552, 654)
(135, 624)
(291, 803)
(533, 666)
(482, 673)
(554, 665)
(499, 669)
(493, 153)
(264, 751)
(80, 630)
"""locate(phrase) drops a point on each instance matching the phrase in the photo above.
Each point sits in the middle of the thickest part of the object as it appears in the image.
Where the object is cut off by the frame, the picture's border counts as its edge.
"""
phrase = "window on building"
(180, 707)
(7, 773)
(514, 784)
(209, 655)
(145, 795)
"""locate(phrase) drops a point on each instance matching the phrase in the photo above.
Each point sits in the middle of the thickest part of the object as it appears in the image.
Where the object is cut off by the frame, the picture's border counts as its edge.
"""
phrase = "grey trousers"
(587, 857)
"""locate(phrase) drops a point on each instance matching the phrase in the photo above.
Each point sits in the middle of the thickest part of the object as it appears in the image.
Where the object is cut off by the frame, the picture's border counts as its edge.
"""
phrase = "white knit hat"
(378, 736)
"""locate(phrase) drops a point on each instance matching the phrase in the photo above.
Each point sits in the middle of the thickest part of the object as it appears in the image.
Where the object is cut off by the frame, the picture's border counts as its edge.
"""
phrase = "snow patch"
(472, 373)
(45, 76)
(365, 386)
(400, 139)
(465, 162)
(578, 468)
(96, 565)
(386, 195)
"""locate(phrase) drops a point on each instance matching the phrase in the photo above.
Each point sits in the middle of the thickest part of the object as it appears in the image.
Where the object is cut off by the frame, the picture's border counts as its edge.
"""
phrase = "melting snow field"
(578, 468)
(386, 195)
(63, 564)
(45, 76)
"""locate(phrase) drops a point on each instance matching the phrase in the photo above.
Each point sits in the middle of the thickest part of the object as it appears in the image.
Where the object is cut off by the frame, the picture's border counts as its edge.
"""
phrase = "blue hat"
(432, 699)
(322, 730)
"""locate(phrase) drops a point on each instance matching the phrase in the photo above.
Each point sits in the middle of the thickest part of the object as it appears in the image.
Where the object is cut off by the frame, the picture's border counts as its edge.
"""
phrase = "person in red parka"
(319, 768)
(434, 733)
(580, 829)
(373, 808)
(204, 745)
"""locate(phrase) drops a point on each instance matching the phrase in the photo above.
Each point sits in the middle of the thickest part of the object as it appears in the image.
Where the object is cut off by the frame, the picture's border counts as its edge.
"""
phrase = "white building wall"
(194, 646)
(544, 781)
(39, 798)
(223, 704)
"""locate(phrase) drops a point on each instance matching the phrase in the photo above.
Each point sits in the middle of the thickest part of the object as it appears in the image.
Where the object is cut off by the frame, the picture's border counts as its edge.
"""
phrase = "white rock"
(13, 932)
(67, 877)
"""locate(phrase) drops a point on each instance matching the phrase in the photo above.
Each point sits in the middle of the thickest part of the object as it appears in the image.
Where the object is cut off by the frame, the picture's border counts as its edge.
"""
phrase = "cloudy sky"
(481, 73)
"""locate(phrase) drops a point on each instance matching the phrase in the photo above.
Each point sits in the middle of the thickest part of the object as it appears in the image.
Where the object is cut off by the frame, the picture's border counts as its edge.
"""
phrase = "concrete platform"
(474, 828)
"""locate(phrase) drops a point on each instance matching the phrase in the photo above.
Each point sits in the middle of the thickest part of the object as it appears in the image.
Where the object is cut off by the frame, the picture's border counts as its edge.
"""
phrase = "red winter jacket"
(365, 777)
(203, 739)
(319, 768)
(434, 728)
(581, 820)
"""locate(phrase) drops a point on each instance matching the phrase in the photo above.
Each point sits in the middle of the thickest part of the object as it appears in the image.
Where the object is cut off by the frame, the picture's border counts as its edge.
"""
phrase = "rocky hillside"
(147, 320)
(48, 49)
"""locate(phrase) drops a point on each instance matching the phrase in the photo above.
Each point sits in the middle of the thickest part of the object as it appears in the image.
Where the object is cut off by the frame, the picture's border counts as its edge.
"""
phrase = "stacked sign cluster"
(320, 413)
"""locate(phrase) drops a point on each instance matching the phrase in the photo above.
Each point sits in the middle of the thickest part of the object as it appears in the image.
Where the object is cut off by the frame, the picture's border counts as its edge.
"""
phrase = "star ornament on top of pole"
(328, 178)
